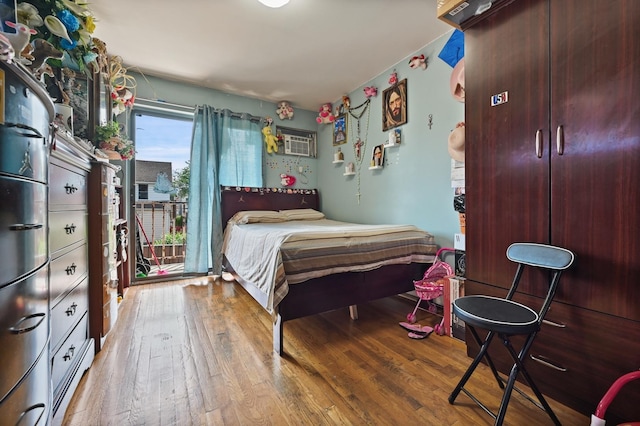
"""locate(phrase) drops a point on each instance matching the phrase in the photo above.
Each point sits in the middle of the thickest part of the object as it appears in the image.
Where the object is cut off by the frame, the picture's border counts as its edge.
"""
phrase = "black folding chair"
(506, 318)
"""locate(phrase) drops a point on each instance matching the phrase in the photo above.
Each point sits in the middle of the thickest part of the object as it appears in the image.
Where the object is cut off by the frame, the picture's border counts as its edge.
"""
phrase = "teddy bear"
(270, 140)
(284, 111)
(325, 116)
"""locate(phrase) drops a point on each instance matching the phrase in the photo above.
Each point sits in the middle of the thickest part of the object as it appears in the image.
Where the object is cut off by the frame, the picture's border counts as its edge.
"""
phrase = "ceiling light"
(274, 3)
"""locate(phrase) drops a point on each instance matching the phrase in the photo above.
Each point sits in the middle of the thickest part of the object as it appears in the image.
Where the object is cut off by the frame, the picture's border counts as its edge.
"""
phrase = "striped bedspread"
(276, 255)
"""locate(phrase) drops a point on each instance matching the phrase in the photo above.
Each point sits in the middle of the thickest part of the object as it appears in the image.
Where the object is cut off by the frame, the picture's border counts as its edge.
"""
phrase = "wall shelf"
(376, 168)
(349, 174)
(337, 161)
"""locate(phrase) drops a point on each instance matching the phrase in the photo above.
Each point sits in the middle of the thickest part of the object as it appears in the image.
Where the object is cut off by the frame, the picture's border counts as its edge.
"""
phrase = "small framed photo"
(394, 106)
(340, 129)
(377, 159)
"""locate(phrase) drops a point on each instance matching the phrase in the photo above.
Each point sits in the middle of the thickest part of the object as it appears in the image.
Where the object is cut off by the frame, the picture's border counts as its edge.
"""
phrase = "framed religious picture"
(394, 106)
(377, 159)
(76, 89)
(340, 129)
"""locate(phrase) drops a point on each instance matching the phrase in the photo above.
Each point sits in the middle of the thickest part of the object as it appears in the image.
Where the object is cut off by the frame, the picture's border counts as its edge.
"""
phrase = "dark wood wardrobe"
(559, 163)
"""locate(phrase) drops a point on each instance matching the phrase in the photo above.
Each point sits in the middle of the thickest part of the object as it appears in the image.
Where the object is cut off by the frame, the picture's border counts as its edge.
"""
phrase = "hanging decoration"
(360, 144)
(419, 61)
(370, 92)
(284, 111)
(123, 86)
(270, 140)
(325, 116)
(393, 78)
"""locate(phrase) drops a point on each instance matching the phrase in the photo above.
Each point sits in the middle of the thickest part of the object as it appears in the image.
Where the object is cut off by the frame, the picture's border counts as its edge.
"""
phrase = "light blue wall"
(414, 187)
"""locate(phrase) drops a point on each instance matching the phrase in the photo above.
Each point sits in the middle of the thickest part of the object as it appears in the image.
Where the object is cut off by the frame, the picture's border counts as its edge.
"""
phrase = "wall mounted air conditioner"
(462, 14)
(298, 142)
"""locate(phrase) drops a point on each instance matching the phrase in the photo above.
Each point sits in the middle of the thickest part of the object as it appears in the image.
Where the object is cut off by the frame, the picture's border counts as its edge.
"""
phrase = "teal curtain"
(226, 149)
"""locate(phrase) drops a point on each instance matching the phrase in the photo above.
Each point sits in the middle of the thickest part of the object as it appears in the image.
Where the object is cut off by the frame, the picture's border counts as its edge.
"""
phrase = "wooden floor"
(200, 353)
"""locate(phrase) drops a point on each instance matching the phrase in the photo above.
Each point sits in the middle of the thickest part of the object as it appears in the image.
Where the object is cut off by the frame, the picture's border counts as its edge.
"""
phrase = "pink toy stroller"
(430, 287)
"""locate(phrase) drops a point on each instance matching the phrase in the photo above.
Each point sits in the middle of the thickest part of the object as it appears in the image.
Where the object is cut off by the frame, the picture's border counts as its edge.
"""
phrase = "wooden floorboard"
(199, 352)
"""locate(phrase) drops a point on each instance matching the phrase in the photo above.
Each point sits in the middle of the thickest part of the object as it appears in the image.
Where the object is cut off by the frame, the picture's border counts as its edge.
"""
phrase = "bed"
(296, 262)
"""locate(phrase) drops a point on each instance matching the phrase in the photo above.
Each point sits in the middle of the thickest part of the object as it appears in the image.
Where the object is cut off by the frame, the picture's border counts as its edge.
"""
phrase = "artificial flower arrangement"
(108, 138)
(67, 25)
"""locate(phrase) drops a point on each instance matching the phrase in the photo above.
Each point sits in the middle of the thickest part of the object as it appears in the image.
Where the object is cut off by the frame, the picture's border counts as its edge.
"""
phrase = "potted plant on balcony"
(110, 141)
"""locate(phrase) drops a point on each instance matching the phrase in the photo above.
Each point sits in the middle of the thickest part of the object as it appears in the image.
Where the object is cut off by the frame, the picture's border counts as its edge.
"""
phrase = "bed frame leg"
(353, 312)
(277, 335)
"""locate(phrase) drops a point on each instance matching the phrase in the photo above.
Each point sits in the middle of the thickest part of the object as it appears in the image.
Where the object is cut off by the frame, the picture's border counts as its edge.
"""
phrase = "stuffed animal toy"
(284, 111)
(325, 116)
(419, 61)
(6, 49)
(270, 140)
(20, 39)
(287, 180)
(370, 91)
(43, 50)
(393, 78)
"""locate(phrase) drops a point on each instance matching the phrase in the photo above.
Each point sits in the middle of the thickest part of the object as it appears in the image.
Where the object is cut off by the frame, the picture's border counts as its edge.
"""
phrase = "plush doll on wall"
(287, 180)
(270, 139)
(370, 91)
(284, 111)
(419, 61)
(325, 116)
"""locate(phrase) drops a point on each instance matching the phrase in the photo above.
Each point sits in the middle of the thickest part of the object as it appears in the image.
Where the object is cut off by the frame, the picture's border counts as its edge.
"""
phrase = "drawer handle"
(554, 324)
(19, 328)
(69, 355)
(71, 269)
(70, 229)
(547, 363)
(70, 189)
(40, 406)
(71, 310)
(34, 132)
(25, 226)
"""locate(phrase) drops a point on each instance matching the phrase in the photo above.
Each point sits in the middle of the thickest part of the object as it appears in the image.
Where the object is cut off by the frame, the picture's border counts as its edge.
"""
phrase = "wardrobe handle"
(539, 143)
(560, 140)
(547, 363)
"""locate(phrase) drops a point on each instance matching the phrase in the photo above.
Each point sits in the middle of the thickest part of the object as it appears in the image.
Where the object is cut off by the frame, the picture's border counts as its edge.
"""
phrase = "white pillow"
(258, 216)
(302, 214)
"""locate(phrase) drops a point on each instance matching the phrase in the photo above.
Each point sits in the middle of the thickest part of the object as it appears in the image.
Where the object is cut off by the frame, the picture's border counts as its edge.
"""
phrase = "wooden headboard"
(240, 199)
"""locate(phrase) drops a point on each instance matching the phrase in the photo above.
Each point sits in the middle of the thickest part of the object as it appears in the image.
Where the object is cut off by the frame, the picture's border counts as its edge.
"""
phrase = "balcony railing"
(164, 223)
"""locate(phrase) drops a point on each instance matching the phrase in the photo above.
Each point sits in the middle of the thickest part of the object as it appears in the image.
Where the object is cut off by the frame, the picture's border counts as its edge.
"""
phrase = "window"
(143, 191)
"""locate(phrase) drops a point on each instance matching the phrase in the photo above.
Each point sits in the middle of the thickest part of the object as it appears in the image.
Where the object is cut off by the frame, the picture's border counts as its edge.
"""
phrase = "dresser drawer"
(24, 326)
(66, 228)
(30, 401)
(65, 314)
(66, 188)
(23, 152)
(66, 356)
(23, 227)
(581, 353)
(66, 270)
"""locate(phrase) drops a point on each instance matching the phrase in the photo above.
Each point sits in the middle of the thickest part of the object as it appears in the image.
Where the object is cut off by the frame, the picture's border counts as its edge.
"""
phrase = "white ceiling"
(307, 52)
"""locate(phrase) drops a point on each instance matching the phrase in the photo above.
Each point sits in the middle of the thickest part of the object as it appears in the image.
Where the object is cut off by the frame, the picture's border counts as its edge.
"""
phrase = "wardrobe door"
(507, 171)
(595, 65)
